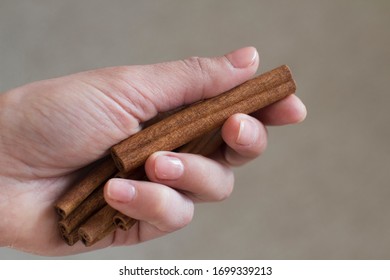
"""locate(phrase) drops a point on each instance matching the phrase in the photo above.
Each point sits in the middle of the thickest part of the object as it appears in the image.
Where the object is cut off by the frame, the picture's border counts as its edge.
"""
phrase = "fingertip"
(241, 130)
(164, 166)
(289, 110)
(168, 167)
(247, 133)
(292, 110)
(243, 57)
(246, 138)
(301, 111)
(119, 190)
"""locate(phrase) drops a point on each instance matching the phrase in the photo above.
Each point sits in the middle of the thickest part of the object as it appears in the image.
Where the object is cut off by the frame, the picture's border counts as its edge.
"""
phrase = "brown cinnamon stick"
(94, 178)
(98, 226)
(94, 202)
(123, 222)
(110, 229)
(86, 209)
(70, 238)
(196, 120)
(205, 146)
(200, 122)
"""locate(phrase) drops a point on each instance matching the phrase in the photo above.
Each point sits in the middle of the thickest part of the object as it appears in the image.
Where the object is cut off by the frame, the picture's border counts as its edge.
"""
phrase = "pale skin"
(50, 129)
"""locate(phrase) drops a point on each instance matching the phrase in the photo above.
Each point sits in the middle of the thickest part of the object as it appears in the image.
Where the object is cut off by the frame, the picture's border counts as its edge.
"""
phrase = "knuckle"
(160, 208)
(174, 220)
(186, 215)
(114, 74)
(197, 65)
(225, 191)
(261, 144)
(225, 194)
(199, 69)
(123, 72)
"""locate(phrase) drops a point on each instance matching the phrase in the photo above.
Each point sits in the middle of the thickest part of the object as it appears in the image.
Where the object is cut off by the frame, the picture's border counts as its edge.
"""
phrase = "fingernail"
(242, 58)
(168, 167)
(303, 111)
(120, 190)
(247, 133)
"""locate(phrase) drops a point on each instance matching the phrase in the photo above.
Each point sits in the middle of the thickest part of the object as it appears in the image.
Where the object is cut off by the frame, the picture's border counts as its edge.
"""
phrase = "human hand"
(50, 129)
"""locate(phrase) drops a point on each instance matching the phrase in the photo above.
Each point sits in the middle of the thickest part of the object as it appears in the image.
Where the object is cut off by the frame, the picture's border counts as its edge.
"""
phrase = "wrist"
(5, 210)
(11, 230)
(8, 115)
(4, 180)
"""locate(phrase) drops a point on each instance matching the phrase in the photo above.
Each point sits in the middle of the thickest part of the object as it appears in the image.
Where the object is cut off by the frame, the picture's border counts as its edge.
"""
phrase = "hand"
(50, 129)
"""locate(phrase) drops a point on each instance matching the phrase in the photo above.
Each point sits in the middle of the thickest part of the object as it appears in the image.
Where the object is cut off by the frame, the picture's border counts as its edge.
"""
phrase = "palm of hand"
(54, 134)
(50, 129)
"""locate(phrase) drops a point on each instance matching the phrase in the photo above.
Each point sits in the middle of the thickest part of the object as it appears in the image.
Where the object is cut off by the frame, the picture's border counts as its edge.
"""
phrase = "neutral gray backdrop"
(321, 190)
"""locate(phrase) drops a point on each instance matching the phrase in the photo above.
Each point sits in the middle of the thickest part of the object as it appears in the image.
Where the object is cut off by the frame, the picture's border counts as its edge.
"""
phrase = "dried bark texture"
(80, 191)
(194, 129)
(201, 118)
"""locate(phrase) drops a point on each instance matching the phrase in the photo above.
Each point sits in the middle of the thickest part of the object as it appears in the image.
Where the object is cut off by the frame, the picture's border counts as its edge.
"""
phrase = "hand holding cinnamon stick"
(188, 126)
(51, 129)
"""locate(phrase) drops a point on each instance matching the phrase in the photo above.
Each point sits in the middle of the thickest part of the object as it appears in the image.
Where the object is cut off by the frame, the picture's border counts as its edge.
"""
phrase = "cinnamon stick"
(194, 129)
(205, 146)
(110, 229)
(123, 222)
(86, 209)
(80, 191)
(202, 117)
(94, 202)
(70, 238)
(98, 226)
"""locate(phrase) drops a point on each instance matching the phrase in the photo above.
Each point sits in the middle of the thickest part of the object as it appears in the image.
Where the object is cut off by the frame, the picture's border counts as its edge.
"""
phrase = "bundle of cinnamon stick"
(84, 214)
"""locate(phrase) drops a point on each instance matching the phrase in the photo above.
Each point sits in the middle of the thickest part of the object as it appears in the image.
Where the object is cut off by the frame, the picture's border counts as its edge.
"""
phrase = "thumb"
(143, 91)
(61, 124)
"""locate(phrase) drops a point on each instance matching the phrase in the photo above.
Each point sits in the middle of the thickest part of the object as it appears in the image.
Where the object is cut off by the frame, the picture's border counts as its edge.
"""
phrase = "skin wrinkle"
(5, 194)
(98, 102)
(189, 213)
(137, 97)
(159, 209)
(164, 89)
(136, 233)
(164, 86)
(37, 132)
(25, 199)
(144, 106)
(8, 147)
(201, 68)
(161, 93)
(130, 97)
(167, 227)
(221, 192)
(8, 219)
(80, 145)
(2, 124)
(131, 237)
(40, 109)
(124, 116)
(190, 69)
(146, 229)
(7, 124)
(113, 113)
(44, 145)
(4, 219)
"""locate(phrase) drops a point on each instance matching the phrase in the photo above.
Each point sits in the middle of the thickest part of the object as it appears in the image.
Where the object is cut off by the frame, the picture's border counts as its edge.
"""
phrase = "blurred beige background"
(321, 190)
